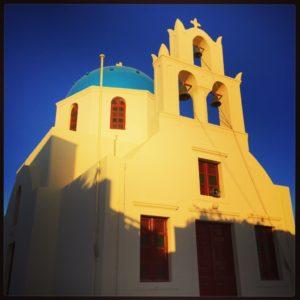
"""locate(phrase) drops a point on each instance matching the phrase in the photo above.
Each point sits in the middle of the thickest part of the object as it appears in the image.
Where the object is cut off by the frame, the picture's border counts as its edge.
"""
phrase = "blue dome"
(115, 76)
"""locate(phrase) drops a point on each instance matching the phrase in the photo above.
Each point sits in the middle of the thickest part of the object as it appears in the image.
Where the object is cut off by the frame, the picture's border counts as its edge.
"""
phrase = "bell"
(216, 100)
(184, 92)
(197, 51)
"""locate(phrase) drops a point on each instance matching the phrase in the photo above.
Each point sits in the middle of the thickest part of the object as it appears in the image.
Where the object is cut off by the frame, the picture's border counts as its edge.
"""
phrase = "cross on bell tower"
(195, 23)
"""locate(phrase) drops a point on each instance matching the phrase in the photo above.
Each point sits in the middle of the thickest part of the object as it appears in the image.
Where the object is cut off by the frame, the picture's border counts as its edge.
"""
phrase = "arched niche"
(186, 92)
(217, 105)
(201, 53)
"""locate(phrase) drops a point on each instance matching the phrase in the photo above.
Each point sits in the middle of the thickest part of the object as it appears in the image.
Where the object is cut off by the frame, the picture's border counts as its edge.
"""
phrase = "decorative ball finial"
(195, 23)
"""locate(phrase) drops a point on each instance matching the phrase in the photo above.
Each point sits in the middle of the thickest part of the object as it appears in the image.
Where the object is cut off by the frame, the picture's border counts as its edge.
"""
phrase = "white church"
(125, 196)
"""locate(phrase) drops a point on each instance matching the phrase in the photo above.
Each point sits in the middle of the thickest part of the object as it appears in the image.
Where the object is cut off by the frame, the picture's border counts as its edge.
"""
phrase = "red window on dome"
(209, 178)
(117, 113)
(73, 117)
(154, 261)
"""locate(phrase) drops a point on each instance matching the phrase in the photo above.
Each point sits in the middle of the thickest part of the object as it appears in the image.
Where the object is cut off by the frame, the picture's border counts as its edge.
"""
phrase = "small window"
(209, 178)
(17, 205)
(266, 253)
(73, 117)
(117, 114)
(154, 261)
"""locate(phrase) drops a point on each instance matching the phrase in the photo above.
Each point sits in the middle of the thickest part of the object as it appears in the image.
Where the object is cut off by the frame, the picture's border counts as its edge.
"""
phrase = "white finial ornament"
(119, 64)
(195, 23)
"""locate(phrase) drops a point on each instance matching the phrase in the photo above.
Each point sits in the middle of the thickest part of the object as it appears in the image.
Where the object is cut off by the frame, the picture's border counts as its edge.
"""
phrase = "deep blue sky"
(48, 47)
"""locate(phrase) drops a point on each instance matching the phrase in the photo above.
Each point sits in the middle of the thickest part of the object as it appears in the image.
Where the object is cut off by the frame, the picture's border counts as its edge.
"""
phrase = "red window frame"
(266, 253)
(208, 177)
(73, 117)
(154, 258)
(117, 113)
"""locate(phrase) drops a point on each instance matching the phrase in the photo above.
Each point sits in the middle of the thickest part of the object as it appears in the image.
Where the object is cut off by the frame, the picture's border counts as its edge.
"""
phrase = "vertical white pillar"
(199, 103)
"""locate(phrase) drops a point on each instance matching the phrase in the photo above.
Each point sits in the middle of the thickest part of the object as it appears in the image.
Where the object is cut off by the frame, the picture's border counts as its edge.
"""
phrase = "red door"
(215, 259)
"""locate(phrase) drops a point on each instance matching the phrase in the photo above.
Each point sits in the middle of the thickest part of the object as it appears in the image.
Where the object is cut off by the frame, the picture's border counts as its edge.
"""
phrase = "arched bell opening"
(225, 119)
(217, 105)
(212, 110)
(186, 86)
(214, 102)
(201, 53)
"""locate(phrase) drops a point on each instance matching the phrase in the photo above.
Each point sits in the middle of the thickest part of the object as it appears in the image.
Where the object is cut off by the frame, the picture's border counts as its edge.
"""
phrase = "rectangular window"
(266, 253)
(154, 261)
(9, 265)
(209, 178)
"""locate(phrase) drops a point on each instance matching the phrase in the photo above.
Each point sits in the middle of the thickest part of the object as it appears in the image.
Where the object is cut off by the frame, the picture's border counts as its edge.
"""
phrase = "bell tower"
(194, 68)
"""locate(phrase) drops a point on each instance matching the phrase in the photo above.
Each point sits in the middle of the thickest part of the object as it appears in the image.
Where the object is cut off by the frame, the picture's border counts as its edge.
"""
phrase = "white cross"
(195, 23)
